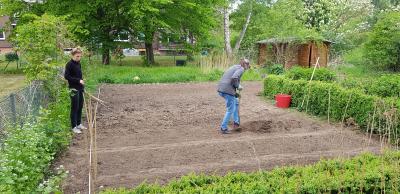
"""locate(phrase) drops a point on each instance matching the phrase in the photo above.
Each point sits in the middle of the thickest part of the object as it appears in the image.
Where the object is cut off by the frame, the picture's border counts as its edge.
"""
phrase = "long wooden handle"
(95, 98)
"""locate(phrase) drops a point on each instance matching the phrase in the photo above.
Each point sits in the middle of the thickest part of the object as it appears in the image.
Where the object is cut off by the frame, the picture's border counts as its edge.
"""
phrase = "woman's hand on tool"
(240, 88)
(82, 82)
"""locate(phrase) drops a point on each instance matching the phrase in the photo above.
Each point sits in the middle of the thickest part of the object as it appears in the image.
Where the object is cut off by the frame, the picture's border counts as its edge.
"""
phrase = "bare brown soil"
(159, 132)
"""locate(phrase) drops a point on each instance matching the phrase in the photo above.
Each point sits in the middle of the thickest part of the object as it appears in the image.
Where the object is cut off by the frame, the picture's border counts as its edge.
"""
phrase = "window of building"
(2, 35)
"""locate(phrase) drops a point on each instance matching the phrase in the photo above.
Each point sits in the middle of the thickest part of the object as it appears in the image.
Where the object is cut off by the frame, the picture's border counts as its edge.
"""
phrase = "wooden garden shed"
(292, 51)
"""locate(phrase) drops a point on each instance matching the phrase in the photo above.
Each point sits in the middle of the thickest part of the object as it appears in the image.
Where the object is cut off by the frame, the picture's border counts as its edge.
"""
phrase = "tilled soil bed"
(157, 132)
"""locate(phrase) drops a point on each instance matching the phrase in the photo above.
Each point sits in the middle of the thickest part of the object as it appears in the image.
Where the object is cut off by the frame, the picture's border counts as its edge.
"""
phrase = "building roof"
(289, 40)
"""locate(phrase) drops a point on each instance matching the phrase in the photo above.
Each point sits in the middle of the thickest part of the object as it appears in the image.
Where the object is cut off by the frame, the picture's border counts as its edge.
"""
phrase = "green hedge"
(314, 98)
(321, 74)
(276, 69)
(384, 86)
(28, 151)
(366, 173)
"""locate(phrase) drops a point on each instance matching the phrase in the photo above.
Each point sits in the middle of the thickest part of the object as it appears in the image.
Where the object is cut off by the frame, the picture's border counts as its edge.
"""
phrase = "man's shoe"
(76, 130)
(81, 127)
(236, 127)
(224, 131)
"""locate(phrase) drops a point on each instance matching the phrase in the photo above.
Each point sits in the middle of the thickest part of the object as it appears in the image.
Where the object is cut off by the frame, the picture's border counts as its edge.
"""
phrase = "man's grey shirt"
(227, 83)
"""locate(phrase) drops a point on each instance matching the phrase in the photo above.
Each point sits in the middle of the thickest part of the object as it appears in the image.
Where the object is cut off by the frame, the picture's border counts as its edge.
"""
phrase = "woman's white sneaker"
(81, 127)
(76, 130)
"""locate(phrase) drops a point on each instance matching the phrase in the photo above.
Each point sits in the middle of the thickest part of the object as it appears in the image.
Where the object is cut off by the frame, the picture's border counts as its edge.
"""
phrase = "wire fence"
(22, 106)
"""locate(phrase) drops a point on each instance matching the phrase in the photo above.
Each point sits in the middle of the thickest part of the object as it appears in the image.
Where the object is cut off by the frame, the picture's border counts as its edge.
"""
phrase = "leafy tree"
(95, 23)
(383, 46)
(348, 24)
(245, 22)
(193, 18)
(317, 13)
(40, 42)
(20, 7)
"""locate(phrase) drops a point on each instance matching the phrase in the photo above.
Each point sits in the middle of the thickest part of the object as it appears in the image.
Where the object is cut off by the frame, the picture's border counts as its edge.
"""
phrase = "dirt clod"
(258, 126)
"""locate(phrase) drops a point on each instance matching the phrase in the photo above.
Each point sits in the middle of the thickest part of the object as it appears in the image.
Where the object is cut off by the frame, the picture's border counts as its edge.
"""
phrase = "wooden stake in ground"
(91, 116)
(309, 85)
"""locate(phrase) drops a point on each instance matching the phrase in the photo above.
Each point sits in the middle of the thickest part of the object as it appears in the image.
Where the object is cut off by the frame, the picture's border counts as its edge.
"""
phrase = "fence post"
(13, 110)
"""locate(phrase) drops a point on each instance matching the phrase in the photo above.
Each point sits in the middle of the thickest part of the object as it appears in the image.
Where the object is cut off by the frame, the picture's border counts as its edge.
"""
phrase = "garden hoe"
(238, 97)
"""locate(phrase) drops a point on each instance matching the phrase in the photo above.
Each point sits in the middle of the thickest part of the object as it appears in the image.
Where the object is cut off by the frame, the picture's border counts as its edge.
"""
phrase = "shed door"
(321, 51)
(304, 55)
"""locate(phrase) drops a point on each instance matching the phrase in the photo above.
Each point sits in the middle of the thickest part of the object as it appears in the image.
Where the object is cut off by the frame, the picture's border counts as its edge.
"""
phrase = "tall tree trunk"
(106, 56)
(243, 32)
(149, 53)
(227, 33)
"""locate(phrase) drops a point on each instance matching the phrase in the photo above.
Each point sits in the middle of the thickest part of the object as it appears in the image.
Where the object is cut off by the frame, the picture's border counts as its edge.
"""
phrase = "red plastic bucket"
(283, 100)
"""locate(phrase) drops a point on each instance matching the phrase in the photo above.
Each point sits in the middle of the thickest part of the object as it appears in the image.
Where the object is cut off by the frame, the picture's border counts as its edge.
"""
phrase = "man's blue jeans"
(232, 109)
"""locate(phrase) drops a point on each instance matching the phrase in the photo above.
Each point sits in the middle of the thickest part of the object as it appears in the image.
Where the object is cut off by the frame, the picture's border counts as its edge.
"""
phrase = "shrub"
(321, 74)
(28, 151)
(366, 173)
(323, 99)
(276, 69)
(10, 57)
(383, 45)
(23, 159)
(351, 83)
(385, 86)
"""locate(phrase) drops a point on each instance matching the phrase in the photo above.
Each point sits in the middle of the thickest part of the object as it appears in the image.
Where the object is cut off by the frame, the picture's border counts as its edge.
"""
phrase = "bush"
(27, 153)
(321, 74)
(343, 104)
(276, 69)
(23, 159)
(366, 173)
(383, 46)
(384, 86)
(10, 57)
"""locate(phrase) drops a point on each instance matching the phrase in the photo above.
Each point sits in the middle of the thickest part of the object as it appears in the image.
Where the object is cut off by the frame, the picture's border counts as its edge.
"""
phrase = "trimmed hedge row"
(323, 99)
(320, 74)
(384, 86)
(366, 173)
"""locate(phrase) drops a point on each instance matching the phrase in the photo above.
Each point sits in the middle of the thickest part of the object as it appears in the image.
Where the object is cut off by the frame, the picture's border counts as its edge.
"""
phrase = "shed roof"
(288, 40)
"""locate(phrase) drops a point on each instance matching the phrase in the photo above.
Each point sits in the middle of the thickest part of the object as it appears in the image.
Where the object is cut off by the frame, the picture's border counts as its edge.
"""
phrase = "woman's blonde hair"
(76, 50)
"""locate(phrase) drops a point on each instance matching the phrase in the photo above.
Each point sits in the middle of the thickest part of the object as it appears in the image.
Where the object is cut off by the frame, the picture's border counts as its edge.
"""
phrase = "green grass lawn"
(138, 60)
(166, 74)
(132, 71)
(10, 83)
(11, 69)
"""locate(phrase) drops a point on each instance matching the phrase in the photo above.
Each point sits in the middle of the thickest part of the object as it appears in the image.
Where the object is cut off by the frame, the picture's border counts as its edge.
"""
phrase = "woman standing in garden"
(73, 73)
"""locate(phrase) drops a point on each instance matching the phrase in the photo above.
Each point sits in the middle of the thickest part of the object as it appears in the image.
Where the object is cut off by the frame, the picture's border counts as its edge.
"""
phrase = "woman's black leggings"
(76, 107)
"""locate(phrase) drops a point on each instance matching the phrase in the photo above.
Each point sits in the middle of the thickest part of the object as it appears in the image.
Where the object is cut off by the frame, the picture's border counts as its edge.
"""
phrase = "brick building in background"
(5, 46)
